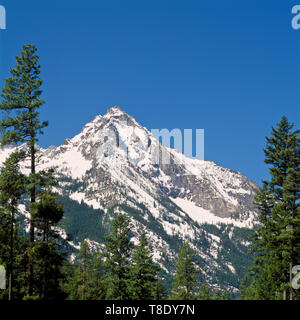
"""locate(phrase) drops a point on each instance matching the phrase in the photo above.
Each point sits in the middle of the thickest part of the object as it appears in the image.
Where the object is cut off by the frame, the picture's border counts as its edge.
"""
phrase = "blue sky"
(230, 67)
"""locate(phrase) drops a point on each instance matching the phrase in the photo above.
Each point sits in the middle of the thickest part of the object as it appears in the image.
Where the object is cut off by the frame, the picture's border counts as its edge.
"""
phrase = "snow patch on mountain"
(202, 216)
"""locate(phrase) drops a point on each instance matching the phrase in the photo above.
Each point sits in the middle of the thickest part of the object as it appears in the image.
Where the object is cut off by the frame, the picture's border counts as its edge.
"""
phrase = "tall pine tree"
(144, 272)
(117, 253)
(283, 155)
(276, 242)
(83, 261)
(185, 286)
(48, 260)
(12, 187)
(263, 276)
(88, 281)
(21, 124)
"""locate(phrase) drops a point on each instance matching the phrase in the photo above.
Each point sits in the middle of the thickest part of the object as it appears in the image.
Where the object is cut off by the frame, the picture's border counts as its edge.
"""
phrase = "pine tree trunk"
(10, 284)
(32, 200)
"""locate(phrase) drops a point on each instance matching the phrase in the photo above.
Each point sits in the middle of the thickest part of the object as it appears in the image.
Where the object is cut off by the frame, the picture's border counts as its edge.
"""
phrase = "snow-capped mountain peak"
(114, 163)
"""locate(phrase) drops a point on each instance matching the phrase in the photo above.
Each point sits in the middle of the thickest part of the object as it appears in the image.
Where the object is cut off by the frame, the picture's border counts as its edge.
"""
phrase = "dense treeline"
(123, 271)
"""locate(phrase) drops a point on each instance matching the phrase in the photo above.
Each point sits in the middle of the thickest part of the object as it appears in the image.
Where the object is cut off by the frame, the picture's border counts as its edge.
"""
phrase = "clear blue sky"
(230, 67)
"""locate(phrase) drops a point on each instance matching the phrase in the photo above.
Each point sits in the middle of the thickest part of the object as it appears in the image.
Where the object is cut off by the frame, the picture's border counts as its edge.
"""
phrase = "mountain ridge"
(110, 166)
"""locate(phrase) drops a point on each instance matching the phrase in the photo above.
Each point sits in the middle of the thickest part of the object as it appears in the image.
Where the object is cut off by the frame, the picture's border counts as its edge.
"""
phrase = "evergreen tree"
(12, 184)
(18, 263)
(20, 124)
(263, 274)
(185, 284)
(144, 272)
(87, 281)
(46, 214)
(283, 155)
(118, 248)
(160, 291)
(49, 272)
(48, 261)
(97, 284)
(83, 260)
(69, 286)
(220, 295)
(204, 293)
(276, 242)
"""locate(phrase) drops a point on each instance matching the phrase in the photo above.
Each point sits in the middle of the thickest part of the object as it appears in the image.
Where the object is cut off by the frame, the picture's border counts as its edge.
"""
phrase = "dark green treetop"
(21, 100)
(118, 249)
(144, 272)
(185, 286)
